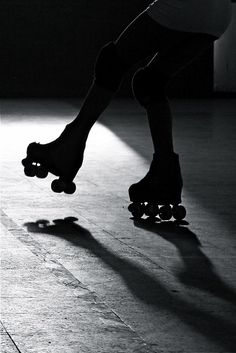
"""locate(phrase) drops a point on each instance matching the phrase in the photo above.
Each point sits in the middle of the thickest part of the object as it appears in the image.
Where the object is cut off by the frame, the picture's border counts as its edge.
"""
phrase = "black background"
(48, 47)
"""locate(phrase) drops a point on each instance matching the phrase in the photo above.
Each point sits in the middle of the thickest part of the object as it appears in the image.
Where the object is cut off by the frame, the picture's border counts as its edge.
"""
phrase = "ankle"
(165, 155)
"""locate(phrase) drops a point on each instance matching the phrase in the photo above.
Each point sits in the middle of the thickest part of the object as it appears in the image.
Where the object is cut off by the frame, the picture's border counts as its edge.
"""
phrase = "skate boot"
(159, 192)
(62, 157)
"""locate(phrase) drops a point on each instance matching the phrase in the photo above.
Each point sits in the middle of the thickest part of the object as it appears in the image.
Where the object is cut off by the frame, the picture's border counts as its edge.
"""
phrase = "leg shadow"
(143, 285)
(198, 272)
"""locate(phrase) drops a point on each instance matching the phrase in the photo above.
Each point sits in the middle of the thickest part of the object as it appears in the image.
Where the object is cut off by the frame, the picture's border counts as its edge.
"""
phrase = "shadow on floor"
(215, 326)
(198, 270)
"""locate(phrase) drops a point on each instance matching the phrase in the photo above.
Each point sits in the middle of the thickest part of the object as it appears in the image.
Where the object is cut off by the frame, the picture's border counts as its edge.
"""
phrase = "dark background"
(48, 47)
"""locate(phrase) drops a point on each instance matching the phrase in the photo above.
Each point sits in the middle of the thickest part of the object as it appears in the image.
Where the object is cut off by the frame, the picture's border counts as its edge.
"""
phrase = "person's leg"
(162, 185)
(150, 87)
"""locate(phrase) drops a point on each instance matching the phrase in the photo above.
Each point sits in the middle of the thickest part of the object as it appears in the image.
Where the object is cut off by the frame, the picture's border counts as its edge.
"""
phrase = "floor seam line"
(10, 337)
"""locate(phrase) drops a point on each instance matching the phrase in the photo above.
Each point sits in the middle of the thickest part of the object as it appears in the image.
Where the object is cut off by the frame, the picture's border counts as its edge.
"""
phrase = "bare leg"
(160, 123)
(96, 101)
(162, 69)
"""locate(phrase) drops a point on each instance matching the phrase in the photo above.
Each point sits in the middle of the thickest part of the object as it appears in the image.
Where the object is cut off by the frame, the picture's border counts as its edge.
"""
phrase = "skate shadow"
(198, 271)
(145, 286)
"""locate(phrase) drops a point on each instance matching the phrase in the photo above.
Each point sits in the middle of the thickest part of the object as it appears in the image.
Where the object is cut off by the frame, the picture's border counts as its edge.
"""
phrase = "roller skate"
(158, 194)
(62, 157)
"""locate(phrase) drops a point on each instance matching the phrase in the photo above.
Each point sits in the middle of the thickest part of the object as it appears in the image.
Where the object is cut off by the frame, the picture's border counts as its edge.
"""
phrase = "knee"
(148, 86)
(109, 68)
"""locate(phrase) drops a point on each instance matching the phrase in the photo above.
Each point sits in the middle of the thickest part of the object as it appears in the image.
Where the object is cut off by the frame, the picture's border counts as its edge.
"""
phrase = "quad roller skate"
(159, 192)
(55, 158)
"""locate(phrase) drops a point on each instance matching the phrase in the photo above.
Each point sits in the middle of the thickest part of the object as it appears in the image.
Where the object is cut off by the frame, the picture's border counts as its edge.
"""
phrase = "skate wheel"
(30, 170)
(165, 212)
(41, 172)
(151, 210)
(136, 209)
(70, 188)
(179, 212)
(58, 185)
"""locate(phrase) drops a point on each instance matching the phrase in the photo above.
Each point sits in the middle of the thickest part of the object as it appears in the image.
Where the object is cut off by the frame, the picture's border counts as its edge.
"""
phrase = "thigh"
(144, 37)
(170, 61)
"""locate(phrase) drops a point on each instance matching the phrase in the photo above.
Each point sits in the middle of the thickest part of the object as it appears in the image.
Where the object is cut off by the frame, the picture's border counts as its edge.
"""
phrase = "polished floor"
(80, 275)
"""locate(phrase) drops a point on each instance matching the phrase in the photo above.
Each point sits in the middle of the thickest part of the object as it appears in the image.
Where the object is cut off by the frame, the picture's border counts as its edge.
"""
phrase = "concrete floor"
(79, 275)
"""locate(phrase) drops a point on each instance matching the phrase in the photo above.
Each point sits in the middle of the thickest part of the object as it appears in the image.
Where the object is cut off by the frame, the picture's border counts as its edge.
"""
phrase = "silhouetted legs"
(142, 40)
